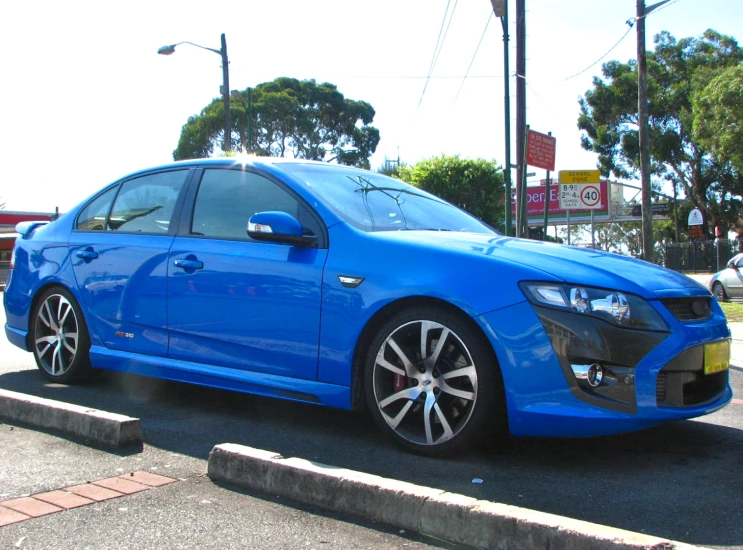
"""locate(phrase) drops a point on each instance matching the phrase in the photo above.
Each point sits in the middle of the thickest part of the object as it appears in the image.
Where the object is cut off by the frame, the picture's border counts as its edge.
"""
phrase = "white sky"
(85, 99)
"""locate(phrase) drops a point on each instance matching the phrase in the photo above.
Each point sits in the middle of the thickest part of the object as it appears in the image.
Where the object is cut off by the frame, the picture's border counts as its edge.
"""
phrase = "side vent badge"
(350, 282)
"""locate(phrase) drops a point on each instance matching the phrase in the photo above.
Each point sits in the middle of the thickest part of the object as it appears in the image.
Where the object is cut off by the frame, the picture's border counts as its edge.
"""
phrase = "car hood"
(570, 264)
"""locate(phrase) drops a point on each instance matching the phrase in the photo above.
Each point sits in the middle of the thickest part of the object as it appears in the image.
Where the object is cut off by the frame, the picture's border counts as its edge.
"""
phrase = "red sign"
(540, 150)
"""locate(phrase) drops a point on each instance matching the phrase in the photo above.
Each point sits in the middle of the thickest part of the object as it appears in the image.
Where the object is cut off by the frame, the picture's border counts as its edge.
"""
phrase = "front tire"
(59, 338)
(432, 382)
(719, 292)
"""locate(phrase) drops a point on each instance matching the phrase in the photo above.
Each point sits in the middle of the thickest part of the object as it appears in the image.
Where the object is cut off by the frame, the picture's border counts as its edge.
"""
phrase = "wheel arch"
(358, 401)
(35, 301)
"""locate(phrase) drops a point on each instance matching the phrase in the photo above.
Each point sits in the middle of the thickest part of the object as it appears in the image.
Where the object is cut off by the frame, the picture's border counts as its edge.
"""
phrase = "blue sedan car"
(341, 287)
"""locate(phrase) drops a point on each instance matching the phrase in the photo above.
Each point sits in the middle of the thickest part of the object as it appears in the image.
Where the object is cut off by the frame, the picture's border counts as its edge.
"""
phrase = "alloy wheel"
(425, 382)
(56, 335)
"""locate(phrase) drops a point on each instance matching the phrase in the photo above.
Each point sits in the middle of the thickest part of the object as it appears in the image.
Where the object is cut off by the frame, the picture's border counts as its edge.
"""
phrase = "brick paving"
(31, 507)
(121, 485)
(8, 516)
(63, 499)
(50, 502)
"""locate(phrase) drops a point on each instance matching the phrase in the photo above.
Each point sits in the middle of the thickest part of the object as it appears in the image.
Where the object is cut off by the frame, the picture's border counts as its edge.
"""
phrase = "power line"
(631, 23)
(439, 45)
(664, 7)
(473, 57)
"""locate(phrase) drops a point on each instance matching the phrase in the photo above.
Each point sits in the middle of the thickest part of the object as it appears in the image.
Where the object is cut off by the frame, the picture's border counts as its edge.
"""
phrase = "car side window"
(146, 204)
(93, 216)
(228, 198)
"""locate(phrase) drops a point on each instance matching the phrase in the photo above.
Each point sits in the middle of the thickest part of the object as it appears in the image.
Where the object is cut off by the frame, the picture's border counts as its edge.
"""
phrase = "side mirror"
(278, 227)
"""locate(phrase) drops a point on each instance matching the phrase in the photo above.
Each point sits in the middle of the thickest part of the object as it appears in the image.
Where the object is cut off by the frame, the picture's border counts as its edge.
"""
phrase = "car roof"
(243, 160)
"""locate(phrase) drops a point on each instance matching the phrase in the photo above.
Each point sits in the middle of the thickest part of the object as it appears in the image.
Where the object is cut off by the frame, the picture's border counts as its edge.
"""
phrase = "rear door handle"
(86, 254)
(189, 264)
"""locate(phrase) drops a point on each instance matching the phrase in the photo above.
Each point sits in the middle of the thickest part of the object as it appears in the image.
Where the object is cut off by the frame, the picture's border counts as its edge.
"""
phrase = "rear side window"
(93, 216)
(146, 204)
(228, 198)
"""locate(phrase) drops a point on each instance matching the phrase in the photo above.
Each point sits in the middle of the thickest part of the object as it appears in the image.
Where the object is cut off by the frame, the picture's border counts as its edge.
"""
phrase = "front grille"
(660, 388)
(682, 382)
(688, 309)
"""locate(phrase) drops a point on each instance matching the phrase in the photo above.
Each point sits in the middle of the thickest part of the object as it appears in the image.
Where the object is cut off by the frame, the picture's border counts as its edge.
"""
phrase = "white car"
(728, 283)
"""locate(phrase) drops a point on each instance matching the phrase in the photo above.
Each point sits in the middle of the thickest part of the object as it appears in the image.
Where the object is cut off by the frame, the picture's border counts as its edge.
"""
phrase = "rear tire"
(59, 338)
(432, 383)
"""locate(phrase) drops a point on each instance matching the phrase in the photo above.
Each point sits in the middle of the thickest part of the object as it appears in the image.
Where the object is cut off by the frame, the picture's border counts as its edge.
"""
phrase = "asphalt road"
(680, 481)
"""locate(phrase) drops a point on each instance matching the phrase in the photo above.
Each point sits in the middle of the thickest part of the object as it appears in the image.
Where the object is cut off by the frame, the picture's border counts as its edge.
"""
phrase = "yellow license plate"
(716, 356)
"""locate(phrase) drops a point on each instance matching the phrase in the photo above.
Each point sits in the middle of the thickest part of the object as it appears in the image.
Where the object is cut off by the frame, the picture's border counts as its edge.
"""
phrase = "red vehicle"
(8, 221)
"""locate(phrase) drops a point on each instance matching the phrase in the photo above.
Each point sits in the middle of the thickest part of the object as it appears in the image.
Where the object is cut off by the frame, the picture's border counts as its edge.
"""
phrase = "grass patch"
(733, 311)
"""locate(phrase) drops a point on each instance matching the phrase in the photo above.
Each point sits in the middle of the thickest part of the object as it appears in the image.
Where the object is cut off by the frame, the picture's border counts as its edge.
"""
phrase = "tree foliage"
(678, 72)
(287, 117)
(474, 185)
(718, 113)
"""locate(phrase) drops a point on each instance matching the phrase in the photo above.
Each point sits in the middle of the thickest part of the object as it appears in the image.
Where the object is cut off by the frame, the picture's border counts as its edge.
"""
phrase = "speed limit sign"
(590, 196)
(580, 196)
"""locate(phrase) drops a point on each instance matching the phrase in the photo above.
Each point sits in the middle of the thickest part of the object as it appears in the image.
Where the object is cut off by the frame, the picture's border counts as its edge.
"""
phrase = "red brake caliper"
(399, 382)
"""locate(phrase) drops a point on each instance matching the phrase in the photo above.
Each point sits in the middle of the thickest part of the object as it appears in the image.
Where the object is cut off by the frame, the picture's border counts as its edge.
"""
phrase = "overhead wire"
(466, 74)
(439, 46)
(631, 23)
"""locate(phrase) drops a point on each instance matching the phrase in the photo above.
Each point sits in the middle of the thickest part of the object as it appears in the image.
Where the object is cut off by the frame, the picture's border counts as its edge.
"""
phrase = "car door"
(118, 251)
(240, 303)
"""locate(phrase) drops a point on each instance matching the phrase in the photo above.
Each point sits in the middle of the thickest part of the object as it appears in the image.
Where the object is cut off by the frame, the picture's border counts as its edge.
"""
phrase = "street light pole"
(224, 89)
(500, 7)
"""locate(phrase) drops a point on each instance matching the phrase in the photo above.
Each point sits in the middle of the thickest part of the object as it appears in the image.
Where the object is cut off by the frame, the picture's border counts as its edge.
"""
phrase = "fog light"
(592, 374)
(595, 375)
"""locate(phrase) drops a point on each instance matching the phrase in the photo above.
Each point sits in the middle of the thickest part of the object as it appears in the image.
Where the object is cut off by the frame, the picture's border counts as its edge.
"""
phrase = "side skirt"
(271, 385)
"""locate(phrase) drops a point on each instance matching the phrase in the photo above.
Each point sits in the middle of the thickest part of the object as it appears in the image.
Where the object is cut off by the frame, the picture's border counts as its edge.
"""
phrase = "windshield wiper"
(366, 186)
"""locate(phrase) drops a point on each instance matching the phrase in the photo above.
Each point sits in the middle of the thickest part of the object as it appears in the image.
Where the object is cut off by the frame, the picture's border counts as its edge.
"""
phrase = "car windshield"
(374, 202)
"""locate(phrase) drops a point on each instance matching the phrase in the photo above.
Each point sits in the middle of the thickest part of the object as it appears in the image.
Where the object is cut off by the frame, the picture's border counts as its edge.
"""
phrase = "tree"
(474, 185)
(718, 112)
(677, 72)
(287, 117)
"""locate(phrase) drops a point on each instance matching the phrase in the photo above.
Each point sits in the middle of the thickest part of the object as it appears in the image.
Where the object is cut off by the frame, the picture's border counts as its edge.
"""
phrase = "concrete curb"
(99, 427)
(433, 512)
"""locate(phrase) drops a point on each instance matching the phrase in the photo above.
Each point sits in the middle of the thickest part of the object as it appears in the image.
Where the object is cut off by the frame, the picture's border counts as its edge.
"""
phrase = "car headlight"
(619, 308)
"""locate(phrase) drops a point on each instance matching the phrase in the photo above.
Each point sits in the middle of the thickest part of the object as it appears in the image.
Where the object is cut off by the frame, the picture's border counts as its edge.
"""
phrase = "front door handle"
(189, 264)
(86, 254)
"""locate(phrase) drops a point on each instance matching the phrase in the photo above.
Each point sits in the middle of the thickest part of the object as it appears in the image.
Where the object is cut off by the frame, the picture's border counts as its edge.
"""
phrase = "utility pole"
(521, 117)
(227, 147)
(648, 253)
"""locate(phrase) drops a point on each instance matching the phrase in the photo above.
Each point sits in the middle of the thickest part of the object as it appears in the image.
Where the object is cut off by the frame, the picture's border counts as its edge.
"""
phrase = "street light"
(225, 89)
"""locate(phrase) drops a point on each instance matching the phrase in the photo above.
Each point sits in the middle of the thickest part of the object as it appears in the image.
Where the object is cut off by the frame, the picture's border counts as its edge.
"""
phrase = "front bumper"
(543, 400)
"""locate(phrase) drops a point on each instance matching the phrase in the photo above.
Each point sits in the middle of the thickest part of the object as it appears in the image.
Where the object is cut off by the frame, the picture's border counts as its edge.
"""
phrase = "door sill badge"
(350, 282)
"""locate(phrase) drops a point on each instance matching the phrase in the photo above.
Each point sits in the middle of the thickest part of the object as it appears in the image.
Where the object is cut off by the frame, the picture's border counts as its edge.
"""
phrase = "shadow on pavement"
(680, 481)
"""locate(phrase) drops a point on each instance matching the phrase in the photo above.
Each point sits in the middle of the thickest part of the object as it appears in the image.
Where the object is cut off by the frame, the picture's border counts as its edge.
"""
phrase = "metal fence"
(700, 257)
